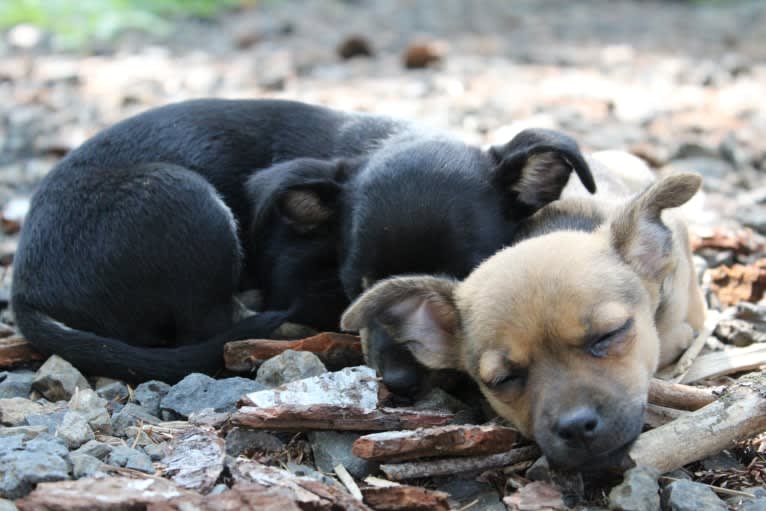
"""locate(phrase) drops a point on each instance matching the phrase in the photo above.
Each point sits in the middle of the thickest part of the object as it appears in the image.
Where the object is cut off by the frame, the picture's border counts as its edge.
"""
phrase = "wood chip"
(350, 387)
(105, 494)
(463, 440)
(196, 459)
(405, 498)
(738, 283)
(738, 414)
(15, 350)
(741, 241)
(413, 470)
(335, 350)
(306, 492)
(720, 363)
(348, 481)
(536, 496)
(240, 496)
(339, 418)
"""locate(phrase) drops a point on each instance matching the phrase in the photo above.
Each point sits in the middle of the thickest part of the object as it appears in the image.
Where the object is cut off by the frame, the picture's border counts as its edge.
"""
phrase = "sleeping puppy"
(562, 331)
(137, 242)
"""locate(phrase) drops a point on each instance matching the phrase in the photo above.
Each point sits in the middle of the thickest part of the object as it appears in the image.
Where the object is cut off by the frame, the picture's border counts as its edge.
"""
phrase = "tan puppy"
(563, 331)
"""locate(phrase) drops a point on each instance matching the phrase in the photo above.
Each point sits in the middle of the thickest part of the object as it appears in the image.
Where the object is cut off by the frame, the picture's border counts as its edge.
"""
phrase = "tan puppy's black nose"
(579, 426)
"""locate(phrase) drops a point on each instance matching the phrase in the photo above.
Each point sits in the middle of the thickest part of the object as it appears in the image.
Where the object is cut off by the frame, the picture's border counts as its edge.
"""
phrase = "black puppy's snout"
(578, 427)
(402, 381)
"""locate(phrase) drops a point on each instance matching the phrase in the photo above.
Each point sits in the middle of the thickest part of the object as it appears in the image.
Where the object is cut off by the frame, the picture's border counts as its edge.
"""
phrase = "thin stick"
(348, 481)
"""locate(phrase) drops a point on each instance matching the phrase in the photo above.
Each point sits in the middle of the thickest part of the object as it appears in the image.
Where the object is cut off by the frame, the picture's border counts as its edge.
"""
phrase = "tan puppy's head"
(558, 331)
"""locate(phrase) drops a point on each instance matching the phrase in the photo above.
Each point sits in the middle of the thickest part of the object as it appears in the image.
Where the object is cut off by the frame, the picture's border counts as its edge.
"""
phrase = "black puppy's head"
(424, 205)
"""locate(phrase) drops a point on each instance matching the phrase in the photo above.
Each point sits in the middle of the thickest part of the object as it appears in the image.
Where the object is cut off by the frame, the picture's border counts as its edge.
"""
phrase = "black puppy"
(137, 241)
(414, 202)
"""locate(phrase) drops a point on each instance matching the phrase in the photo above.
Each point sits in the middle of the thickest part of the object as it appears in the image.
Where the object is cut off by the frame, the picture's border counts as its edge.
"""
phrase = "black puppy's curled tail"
(98, 355)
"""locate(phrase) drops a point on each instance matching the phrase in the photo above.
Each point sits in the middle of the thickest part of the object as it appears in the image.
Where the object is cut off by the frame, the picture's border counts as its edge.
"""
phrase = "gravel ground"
(681, 84)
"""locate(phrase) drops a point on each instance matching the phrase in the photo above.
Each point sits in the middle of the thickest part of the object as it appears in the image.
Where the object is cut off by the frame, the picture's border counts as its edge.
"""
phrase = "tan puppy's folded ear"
(637, 231)
(417, 311)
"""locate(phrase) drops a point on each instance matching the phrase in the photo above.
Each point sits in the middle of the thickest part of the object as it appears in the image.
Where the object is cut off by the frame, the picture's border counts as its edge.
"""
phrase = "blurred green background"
(75, 22)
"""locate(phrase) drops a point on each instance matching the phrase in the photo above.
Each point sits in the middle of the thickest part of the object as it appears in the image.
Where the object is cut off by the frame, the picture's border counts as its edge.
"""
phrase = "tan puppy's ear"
(417, 311)
(637, 231)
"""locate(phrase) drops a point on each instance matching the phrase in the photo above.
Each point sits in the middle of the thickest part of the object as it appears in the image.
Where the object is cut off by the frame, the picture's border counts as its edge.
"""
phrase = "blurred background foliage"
(75, 22)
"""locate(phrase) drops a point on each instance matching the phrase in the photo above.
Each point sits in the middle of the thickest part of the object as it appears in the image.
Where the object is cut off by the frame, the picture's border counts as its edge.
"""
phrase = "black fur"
(138, 240)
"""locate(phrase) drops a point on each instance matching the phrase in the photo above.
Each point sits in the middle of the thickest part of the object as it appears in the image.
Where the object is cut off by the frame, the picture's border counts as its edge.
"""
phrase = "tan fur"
(563, 320)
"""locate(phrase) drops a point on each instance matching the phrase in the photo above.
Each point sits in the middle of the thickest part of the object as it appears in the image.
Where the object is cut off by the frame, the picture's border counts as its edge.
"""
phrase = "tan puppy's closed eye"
(562, 331)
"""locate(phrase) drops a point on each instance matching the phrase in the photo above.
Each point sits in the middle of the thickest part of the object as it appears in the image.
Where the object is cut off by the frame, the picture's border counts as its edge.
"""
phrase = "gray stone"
(724, 460)
(95, 449)
(22, 470)
(57, 379)
(11, 442)
(149, 394)
(690, 496)
(244, 441)
(114, 392)
(47, 443)
(27, 432)
(289, 366)
(639, 491)
(713, 170)
(753, 217)
(199, 391)
(84, 465)
(91, 407)
(130, 415)
(124, 456)
(7, 505)
(753, 505)
(74, 429)
(14, 411)
(332, 448)
(463, 492)
(16, 384)
(24, 463)
(155, 451)
(51, 420)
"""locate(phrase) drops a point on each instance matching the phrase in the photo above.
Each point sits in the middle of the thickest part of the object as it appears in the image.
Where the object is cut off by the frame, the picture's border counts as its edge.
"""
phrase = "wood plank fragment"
(742, 241)
(720, 363)
(339, 418)
(352, 386)
(681, 397)
(738, 414)
(405, 498)
(462, 440)
(196, 459)
(105, 494)
(416, 469)
(335, 350)
(16, 350)
(307, 493)
(240, 496)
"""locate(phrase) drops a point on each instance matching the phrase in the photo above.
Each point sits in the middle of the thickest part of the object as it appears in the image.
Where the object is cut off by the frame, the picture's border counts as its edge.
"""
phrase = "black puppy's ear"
(417, 311)
(304, 192)
(533, 168)
(637, 231)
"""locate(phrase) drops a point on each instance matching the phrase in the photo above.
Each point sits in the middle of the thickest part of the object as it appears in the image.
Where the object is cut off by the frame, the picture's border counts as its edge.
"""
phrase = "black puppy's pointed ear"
(304, 192)
(533, 168)
(418, 312)
(637, 231)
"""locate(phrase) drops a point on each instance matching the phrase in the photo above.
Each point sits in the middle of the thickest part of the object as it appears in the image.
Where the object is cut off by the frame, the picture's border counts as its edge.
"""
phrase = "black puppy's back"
(131, 253)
